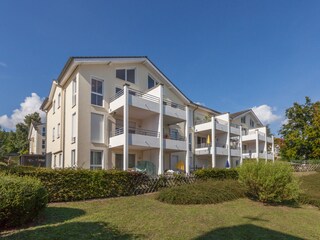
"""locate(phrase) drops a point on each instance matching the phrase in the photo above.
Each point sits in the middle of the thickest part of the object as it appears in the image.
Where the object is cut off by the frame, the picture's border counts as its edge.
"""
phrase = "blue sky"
(229, 55)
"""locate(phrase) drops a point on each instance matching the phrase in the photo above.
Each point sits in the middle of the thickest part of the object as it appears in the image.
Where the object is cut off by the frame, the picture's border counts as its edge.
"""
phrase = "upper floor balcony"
(252, 136)
(262, 154)
(148, 102)
(143, 139)
(221, 126)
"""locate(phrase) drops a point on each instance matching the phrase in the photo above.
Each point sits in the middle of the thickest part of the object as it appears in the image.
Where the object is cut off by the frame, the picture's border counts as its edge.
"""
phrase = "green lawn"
(143, 217)
(146, 218)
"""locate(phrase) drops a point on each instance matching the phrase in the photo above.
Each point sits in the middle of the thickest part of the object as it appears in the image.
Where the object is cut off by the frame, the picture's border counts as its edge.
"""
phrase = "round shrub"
(21, 200)
(269, 182)
(206, 192)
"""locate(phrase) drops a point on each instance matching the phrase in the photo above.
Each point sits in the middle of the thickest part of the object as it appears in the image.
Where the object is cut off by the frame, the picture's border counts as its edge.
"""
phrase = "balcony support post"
(240, 145)
(272, 139)
(161, 155)
(126, 127)
(266, 145)
(187, 168)
(213, 142)
(228, 143)
(257, 145)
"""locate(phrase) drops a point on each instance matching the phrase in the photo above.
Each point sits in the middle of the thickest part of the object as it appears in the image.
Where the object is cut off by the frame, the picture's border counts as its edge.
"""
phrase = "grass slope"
(143, 217)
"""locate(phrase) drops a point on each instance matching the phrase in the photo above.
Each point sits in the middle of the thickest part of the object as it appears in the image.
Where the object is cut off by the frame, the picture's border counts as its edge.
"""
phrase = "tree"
(299, 133)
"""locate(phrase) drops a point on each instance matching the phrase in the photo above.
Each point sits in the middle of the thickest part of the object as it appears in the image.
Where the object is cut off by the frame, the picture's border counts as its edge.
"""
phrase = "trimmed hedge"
(216, 174)
(269, 182)
(21, 200)
(72, 185)
(207, 192)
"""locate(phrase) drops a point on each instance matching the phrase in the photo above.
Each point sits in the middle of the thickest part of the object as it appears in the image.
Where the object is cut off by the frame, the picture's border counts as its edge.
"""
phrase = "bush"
(217, 174)
(72, 185)
(21, 200)
(206, 192)
(269, 182)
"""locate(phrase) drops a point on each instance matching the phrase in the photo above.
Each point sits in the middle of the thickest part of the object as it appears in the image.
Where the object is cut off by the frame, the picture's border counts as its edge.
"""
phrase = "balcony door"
(119, 161)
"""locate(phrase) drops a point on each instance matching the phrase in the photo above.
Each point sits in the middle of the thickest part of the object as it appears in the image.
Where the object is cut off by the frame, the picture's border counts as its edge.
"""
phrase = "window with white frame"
(54, 106)
(73, 128)
(97, 128)
(73, 158)
(59, 100)
(151, 82)
(251, 123)
(58, 130)
(74, 92)
(96, 159)
(126, 75)
(97, 92)
(55, 161)
(60, 160)
(53, 133)
(243, 119)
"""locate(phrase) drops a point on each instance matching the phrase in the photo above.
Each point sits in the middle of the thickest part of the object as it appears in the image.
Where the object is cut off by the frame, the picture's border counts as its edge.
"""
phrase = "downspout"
(63, 126)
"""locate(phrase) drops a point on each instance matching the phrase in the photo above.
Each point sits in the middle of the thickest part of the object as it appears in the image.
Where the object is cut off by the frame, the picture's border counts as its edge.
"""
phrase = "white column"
(187, 167)
(228, 142)
(266, 146)
(272, 137)
(126, 127)
(257, 144)
(240, 145)
(213, 141)
(160, 168)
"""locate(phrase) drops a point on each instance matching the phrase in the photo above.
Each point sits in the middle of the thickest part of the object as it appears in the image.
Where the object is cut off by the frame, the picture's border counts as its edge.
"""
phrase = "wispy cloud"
(266, 114)
(3, 64)
(30, 104)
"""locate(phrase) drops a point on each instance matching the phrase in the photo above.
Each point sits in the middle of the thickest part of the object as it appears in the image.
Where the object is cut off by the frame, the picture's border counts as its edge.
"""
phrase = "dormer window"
(126, 75)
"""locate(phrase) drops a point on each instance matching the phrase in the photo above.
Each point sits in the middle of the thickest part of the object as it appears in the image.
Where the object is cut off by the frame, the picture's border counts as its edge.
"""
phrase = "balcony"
(262, 155)
(174, 110)
(234, 129)
(221, 125)
(136, 99)
(174, 142)
(203, 149)
(137, 137)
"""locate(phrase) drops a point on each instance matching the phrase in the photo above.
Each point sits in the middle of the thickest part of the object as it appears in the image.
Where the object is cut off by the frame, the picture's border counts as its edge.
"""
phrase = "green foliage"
(72, 185)
(301, 133)
(216, 174)
(21, 200)
(269, 182)
(206, 192)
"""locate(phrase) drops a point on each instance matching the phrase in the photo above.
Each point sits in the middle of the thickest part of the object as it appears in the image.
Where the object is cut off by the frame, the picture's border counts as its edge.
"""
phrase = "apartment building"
(124, 113)
(37, 139)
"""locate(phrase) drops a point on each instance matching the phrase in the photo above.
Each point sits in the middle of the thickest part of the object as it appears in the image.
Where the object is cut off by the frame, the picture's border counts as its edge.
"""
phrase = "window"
(54, 106)
(174, 134)
(59, 100)
(95, 160)
(58, 131)
(73, 128)
(73, 158)
(151, 82)
(251, 123)
(55, 161)
(53, 133)
(74, 92)
(60, 160)
(43, 132)
(131, 162)
(96, 92)
(243, 119)
(97, 128)
(43, 144)
(126, 75)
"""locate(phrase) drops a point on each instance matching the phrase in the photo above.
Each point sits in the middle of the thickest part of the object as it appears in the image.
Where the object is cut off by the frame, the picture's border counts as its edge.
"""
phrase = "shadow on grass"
(246, 231)
(53, 215)
(70, 231)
